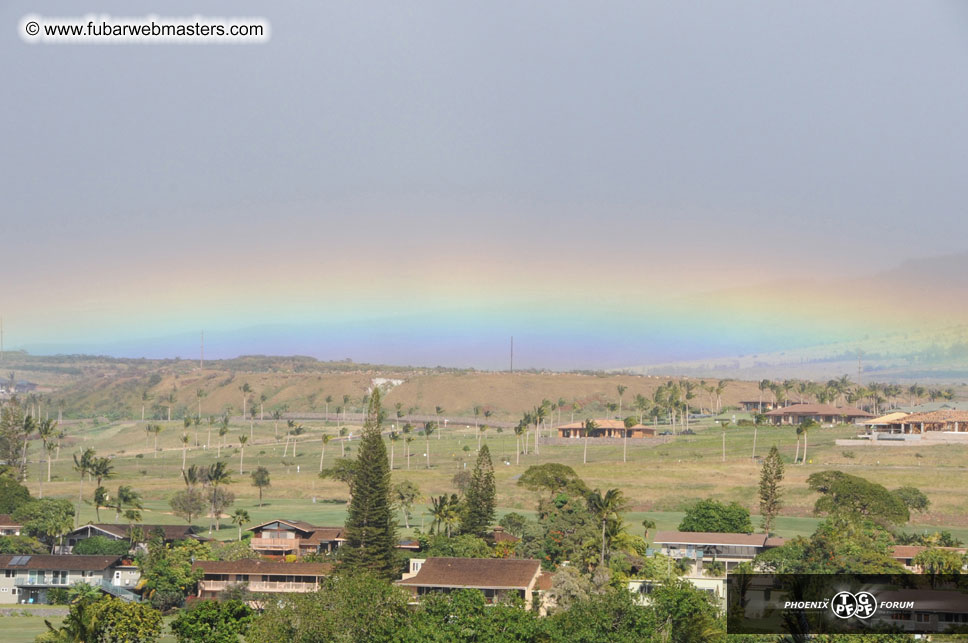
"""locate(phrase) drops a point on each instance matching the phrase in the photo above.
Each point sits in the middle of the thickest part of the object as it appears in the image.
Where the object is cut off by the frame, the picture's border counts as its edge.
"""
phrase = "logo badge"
(862, 605)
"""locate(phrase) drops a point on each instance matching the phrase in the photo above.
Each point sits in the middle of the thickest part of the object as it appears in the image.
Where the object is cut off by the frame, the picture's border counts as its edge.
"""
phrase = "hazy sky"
(414, 181)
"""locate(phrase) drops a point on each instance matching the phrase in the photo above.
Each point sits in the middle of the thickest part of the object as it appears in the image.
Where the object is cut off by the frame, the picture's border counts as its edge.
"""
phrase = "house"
(885, 424)
(947, 420)
(9, 526)
(757, 406)
(141, 533)
(905, 554)
(282, 536)
(714, 587)
(605, 429)
(821, 413)
(497, 578)
(498, 535)
(705, 547)
(259, 576)
(27, 579)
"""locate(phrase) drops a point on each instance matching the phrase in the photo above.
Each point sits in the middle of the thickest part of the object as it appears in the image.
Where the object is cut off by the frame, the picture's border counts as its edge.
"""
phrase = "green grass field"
(659, 480)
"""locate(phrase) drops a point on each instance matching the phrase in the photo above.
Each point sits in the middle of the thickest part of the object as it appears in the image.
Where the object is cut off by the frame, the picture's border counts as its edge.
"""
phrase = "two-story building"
(263, 576)
(138, 532)
(497, 578)
(704, 547)
(9, 526)
(821, 413)
(281, 537)
(27, 579)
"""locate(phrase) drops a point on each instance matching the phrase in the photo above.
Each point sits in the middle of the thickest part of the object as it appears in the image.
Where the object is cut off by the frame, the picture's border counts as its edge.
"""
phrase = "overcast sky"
(657, 146)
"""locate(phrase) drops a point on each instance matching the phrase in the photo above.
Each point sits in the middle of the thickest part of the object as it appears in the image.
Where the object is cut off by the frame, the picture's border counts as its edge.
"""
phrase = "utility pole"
(512, 353)
(201, 354)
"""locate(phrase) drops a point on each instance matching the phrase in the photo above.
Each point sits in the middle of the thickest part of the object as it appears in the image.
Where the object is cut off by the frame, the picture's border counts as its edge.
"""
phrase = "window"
(58, 578)
(9, 573)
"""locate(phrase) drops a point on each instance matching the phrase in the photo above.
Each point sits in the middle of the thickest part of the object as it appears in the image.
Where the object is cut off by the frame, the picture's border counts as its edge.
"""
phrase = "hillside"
(118, 388)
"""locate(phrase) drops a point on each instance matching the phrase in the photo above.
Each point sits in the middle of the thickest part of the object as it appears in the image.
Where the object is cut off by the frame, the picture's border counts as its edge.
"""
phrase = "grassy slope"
(658, 480)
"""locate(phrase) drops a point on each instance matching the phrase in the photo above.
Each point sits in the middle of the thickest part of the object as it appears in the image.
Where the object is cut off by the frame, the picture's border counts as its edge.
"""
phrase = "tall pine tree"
(370, 529)
(770, 478)
(479, 502)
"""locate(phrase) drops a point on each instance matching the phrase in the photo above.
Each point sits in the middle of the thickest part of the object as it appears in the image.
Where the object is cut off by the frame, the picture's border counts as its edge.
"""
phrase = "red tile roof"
(6, 520)
(478, 573)
(601, 424)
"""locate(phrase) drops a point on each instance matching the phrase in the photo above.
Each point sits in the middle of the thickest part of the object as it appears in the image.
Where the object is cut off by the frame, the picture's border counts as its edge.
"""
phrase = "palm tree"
(438, 411)
(245, 389)
(171, 402)
(518, 430)
(322, 455)
(47, 429)
(239, 518)
(648, 525)
(406, 441)
(429, 428)
(192, 476)
(480, 434)
(394, 438)
(605, 506)
(621, 391)
(145, 398)
(262, 406)
(217, 475)
(82, 465)
(222, 430)
(156, 429)
(184, 441)
(590, 425)
(805, 426)
(796, 458)
(126, 497)
(329, 400)
(629, 423)
(199, 393)
(243, 438)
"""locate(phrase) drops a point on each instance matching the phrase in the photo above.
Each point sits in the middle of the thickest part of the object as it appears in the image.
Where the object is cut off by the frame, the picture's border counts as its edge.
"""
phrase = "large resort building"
(605, 429)
(820, 413)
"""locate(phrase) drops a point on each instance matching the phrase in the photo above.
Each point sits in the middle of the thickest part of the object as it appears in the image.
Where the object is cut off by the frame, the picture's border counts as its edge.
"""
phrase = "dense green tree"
(913, 498)
(612, 617)
(212, 622)
(106, 620)
(188, 503)
(854, 497)
(464, 616)
(713, 516)
(479, 500)
(684, 613)
(370, 531)
(462, 546)
(101, 546)
(347, 609)
(839, 546)
(937, 561)
(166, 570)
(513, 523)
(21, 545)
(12, 493)
(770, 494)
(46, 519)
(553, 478)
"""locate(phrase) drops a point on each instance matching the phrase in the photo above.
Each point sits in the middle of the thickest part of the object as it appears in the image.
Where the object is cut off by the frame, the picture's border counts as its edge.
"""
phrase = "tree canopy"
(854, 497)
(713, 516)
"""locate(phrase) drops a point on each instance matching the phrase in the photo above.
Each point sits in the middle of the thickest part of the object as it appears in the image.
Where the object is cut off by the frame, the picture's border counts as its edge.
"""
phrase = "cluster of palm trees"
(99, 468)
(875, 396)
